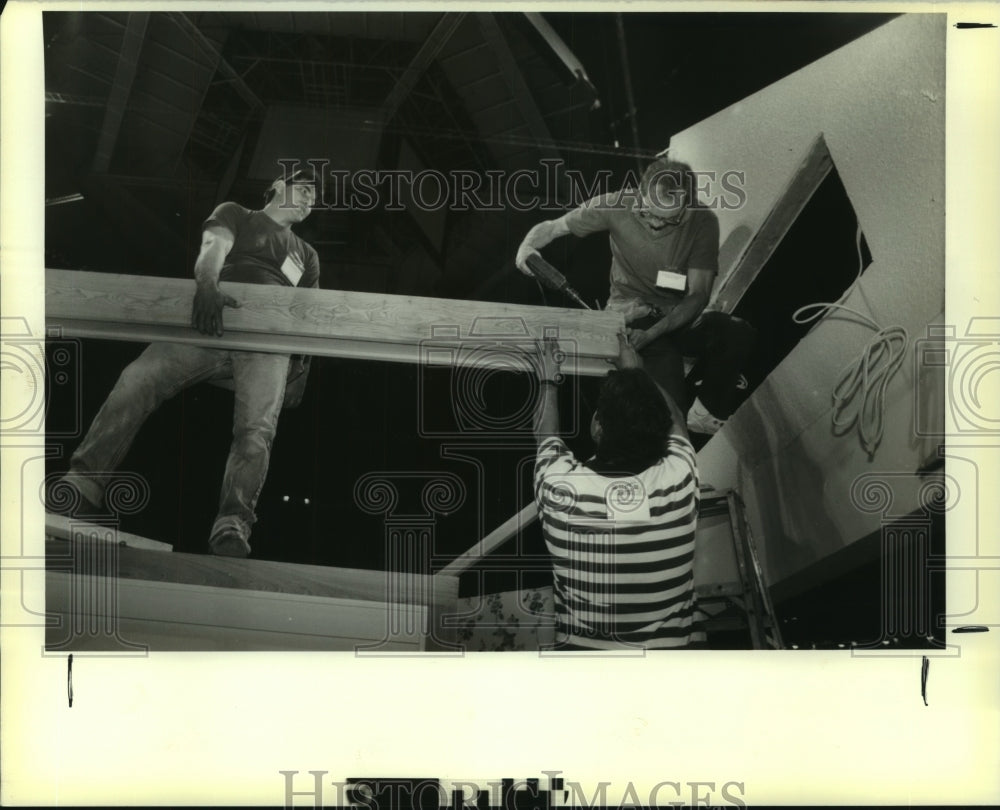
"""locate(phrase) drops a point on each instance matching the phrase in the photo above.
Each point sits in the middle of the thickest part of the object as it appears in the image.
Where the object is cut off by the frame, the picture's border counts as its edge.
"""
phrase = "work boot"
(64, 498)
(229, 543)
(699, 420)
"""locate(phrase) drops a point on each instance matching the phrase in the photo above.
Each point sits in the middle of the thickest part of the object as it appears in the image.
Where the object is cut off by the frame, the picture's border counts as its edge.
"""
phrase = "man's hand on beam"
(206, 313)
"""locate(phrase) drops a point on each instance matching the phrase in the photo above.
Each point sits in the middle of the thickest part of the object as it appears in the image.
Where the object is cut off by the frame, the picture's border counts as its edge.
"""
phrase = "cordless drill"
(552, 278)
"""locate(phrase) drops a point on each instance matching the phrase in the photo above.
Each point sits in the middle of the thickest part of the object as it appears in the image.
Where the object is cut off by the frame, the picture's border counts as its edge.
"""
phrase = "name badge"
(671, 280)
(292, 268)
(626, 501)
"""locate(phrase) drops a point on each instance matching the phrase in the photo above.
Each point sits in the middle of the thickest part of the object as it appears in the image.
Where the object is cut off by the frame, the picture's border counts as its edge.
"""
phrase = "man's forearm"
(545, 232)
(684, 314)
(211, 257)
(547, 413)
(207, 269)
(678, 420)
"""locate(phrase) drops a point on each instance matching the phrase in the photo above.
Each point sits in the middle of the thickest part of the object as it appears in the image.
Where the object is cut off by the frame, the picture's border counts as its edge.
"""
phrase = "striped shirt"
(622, 549)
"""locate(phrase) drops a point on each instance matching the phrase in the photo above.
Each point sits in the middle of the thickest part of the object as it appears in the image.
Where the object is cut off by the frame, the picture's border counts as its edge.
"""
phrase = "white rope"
(859, 396)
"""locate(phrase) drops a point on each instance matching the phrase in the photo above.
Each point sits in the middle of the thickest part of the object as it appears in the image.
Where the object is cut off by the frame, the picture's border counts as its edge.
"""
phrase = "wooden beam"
(333, 323)
(807, 178)
(322, 347)
(114, 112)
(432, 46)
(496, 538)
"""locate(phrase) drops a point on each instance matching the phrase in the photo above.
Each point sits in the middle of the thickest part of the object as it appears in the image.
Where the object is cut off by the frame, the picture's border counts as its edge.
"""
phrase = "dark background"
(187, 137)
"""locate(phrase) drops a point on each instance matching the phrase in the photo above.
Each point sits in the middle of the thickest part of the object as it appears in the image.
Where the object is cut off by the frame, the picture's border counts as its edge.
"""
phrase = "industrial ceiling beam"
(52, 97)
(128, 60)
(229, 176)
(629, 95)
(432, 46)
(565, 55)
(242, 88)
(185, 184)
(518, 86)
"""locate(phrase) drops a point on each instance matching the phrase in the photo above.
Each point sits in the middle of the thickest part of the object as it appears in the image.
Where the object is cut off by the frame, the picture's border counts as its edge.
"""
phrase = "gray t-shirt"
(639, 252)
(263, 251)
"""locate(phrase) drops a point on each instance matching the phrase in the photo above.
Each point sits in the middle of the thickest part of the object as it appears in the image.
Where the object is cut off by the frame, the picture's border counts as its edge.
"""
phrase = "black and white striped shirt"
(622, 549)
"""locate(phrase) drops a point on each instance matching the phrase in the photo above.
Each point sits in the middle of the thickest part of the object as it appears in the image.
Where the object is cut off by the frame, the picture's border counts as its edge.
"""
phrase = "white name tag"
(292, 268)
(626, 501)
(671, 280)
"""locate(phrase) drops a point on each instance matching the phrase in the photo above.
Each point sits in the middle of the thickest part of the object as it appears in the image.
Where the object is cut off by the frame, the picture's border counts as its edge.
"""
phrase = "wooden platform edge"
(807, 177)
(163, 616)
(64, 528)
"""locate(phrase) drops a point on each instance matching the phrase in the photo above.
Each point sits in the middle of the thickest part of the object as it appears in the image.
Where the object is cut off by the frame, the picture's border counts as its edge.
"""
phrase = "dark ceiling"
(156, 117)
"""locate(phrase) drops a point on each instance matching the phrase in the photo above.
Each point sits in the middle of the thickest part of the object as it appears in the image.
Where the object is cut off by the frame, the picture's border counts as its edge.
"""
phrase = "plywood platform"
(105, 596)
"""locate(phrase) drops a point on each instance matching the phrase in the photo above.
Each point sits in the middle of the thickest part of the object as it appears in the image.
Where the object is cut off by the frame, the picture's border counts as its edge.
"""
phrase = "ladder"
(729, 581)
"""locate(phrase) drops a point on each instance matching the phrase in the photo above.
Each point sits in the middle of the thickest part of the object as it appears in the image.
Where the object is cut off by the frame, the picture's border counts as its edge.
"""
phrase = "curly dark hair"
(635, 421)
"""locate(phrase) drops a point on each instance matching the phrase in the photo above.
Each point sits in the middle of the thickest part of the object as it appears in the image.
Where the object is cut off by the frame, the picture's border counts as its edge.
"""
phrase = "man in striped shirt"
(621, 526)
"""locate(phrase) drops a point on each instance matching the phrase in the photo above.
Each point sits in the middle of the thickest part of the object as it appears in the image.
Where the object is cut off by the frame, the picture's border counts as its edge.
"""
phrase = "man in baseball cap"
(241, 245)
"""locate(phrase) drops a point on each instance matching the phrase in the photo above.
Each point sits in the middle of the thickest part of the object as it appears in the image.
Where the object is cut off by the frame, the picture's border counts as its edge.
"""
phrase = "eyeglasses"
(656, 221)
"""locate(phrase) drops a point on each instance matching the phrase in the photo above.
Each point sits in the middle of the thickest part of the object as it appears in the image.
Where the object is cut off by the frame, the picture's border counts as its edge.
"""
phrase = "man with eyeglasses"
(664, 259)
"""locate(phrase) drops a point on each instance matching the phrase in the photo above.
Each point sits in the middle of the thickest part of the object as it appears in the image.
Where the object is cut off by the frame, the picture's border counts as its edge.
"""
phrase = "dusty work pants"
(718, 342)
(163, 370)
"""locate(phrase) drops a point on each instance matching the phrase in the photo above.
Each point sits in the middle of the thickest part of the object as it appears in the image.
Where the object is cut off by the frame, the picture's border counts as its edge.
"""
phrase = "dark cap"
(306, 175)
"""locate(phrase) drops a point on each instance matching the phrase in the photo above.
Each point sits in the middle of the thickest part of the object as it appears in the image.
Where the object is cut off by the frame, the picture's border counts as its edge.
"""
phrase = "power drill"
(552, 278)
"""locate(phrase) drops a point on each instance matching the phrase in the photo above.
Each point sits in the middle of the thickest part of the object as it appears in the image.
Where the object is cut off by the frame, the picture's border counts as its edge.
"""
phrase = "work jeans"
(163, 370)
(720, 343)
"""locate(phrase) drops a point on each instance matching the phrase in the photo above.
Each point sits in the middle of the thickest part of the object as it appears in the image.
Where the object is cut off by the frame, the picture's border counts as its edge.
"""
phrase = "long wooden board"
(332, 323)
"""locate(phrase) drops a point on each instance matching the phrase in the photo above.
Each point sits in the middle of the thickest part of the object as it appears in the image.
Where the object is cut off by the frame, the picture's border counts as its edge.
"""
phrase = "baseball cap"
(307, 175)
